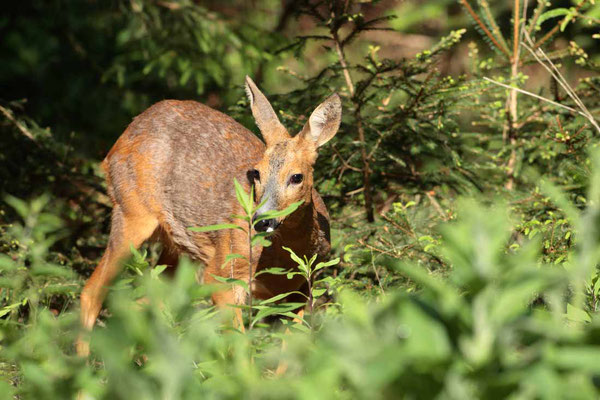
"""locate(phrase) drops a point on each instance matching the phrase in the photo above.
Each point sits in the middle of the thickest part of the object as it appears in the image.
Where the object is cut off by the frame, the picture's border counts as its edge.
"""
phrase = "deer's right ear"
(324, 122)
(266, 119)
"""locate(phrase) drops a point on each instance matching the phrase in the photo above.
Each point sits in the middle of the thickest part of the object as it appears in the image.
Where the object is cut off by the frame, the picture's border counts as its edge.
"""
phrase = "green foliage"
(28, 279)
(499, 325)
(265, 308)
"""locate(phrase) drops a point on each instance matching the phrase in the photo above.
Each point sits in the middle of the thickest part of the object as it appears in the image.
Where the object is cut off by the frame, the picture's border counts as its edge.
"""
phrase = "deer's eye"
(254, 175)
(296, 179)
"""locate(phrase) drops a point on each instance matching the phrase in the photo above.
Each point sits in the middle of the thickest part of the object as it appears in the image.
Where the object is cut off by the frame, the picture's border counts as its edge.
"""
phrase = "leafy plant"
(247, 203)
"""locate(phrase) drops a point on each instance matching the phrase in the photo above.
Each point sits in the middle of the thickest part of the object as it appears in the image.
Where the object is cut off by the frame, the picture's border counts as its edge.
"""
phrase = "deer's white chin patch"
(269, 229)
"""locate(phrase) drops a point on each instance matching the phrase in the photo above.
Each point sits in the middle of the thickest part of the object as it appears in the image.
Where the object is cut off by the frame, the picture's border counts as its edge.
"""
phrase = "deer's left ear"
(324, 122)
(264, 115)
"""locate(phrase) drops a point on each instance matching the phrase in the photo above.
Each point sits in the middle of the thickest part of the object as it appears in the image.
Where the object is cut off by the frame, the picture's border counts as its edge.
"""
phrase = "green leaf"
(232, 256)
(279, 213)
(296, 259)
(582, 358)
(569, 17)
(19, 205)
(329, 263)
(156, 271)
(277, 309)
(279, 297)
(290, 275)
(243, 197)
(577, 314)
(231, 281)
(318, 292)
(262, 203)
(218, 227)
(9, 308)
(302, 327)
(272, 271)
(242, 217)
(557, 12)
(260, 239)
(7, 263)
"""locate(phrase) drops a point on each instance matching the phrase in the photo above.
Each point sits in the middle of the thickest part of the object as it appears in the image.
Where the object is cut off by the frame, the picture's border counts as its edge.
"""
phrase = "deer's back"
(179, 158)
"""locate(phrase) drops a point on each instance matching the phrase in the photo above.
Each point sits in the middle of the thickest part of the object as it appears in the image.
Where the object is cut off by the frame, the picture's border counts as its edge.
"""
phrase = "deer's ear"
(324, 122)
(266, 119)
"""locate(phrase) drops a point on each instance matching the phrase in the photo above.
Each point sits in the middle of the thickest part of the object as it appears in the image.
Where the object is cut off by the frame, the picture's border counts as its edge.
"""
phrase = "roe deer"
(173, 168)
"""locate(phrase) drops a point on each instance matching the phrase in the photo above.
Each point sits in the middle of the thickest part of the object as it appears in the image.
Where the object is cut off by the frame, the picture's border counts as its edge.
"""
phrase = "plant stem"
(511, 126)
(250, 273)
(366, 169)
(310, 298)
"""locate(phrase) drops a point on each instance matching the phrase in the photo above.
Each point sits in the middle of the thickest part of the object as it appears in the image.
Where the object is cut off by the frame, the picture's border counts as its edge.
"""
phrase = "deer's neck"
(301, 222)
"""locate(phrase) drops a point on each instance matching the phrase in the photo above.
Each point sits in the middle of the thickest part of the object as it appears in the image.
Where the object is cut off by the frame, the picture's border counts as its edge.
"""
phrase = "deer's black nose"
(266, 225)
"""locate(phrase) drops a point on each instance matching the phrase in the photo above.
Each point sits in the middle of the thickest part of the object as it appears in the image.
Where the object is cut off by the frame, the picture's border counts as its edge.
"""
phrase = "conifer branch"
(484, 28)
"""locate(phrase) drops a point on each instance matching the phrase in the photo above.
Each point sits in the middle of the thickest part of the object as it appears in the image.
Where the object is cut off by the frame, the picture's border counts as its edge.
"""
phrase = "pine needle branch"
(483, 27)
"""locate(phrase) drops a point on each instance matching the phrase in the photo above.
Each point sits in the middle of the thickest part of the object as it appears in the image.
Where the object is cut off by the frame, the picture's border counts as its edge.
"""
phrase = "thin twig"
(344, 162)
(562, 81)
(436, 205)
(366, 170)
(19, 126)
(534, 95)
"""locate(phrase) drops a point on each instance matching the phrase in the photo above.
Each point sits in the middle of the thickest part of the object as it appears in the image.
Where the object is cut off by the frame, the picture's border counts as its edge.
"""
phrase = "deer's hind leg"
(127, 229)
(169, 254)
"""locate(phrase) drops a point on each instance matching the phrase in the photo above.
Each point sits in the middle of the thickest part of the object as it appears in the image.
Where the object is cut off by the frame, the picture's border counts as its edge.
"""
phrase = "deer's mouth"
(267, 225)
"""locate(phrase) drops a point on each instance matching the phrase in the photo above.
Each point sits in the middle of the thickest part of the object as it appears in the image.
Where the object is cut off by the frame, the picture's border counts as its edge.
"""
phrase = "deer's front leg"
(239, 269)
(232, 297)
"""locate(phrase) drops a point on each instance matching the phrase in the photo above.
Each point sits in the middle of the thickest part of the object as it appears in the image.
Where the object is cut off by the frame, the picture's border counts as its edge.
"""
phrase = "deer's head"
(285, 173)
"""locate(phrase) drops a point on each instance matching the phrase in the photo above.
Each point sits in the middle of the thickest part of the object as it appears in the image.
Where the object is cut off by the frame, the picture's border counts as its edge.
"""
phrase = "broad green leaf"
(577, 314)
(9, 308)
(261, 239)
(51, 270)
(259, 205)
(242, 197)
(275, 309)
(272, 271)
(329, 263)
(432, 341)
(234, 256)
(291, 274)
(279, 297)
(279, 213)
(7, 263)
(156, 271)
(583, 358)
(292, 323)
(242, 217)
(218, 227)
(19, 205)
(231, 281)
(296, 259)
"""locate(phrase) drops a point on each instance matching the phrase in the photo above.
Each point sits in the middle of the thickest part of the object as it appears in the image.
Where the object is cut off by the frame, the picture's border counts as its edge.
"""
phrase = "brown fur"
(173, 168)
